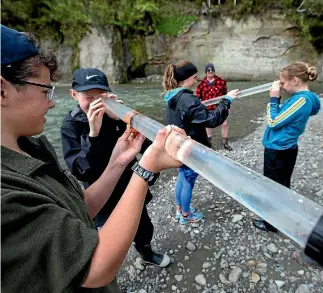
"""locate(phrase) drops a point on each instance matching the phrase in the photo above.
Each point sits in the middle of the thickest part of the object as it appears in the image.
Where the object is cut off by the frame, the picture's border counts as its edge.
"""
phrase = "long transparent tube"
(291, 213)
(243, 93)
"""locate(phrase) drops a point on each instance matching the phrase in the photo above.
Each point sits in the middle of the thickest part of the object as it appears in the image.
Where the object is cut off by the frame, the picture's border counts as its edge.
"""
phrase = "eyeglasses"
(210, 70)
(51, 89)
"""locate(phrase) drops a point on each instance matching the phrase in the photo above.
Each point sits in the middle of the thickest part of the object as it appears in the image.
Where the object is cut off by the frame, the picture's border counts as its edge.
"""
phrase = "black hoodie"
(186, 111)
(88, 157)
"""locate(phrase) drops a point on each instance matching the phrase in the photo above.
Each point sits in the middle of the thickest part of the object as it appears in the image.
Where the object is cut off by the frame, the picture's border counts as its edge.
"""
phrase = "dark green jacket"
(48, 238)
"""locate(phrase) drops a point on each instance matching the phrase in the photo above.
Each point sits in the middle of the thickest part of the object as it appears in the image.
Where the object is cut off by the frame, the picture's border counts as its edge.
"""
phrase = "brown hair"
(30, 67)
(169, 80)
(302, 70)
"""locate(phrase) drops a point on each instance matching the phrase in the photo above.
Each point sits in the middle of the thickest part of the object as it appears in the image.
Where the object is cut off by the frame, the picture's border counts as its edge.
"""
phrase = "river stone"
(252, 263)
(190, 246)
(206, 265)
(138, 264)
(236, 218)
(272, 247)
(279, 283)
(235, 275)
(223, 279)
(178, 278)
(200, 279)
(255, 277)
(218, 255)
(303, 289)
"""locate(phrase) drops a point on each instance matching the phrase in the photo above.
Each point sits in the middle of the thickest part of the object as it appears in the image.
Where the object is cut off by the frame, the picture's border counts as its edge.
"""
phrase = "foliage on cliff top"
(171, 25)
(307, 14)
(69, 20)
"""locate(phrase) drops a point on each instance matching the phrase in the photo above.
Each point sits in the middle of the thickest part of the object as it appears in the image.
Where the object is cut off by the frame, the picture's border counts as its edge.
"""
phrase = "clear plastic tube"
(243, 93)
(291, 213)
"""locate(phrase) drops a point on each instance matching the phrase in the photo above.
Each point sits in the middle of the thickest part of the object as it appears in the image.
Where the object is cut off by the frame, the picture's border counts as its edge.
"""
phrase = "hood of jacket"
(314, 99)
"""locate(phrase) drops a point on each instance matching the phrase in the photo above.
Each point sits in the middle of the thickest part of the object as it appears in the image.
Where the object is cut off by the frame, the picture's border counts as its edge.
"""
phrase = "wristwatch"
(148, 176)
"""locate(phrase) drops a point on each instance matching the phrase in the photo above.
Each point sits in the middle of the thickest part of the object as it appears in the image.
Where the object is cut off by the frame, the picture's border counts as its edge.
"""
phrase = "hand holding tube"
(162, 153)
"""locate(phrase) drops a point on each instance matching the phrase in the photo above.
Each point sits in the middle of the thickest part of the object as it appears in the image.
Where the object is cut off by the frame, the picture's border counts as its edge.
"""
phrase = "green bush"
(172, 25)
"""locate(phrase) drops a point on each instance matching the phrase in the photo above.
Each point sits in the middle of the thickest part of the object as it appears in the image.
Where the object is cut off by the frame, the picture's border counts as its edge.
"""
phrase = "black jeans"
(145, 230)
(279, 165)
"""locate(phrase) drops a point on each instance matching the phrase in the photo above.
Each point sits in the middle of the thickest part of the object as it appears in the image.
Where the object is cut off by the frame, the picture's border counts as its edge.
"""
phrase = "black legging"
(279, 165)
(145, 230)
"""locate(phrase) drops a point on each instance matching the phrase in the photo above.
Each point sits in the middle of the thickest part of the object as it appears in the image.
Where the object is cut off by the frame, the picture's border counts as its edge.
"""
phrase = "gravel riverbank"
(225, 253)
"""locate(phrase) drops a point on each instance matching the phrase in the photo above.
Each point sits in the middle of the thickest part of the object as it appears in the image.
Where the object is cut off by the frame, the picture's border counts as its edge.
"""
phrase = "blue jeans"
(184, 187)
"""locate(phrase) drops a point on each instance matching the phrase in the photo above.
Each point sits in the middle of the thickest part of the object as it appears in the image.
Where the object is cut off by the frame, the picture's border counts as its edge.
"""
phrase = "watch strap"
(148, 176)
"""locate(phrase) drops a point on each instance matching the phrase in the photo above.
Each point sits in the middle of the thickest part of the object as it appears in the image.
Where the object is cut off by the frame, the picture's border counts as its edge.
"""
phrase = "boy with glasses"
(49, 242)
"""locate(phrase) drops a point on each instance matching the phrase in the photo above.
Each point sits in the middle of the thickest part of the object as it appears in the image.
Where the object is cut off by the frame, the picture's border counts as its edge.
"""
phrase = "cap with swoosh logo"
(89, 78)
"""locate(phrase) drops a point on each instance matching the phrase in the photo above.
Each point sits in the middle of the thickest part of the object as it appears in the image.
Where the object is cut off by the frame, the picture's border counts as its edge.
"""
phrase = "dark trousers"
(145, 230)
(279, 165)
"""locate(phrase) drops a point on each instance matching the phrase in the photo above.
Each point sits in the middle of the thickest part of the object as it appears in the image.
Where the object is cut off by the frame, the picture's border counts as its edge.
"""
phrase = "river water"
(147, 99)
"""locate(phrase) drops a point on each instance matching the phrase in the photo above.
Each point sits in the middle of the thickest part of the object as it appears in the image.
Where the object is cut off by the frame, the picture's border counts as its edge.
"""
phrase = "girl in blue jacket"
(286, 122)
(186, 111)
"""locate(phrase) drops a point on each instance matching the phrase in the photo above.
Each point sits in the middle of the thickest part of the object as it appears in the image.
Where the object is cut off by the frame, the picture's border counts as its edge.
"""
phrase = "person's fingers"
(101, 113)
(119, 101)
(138, 139)
(131, 137)
(93, 108)
(161, 136)
(89, 113)
(275, 86)
(97, 105)
(97, 113)
(178, 129)
(109, 96)
(126, 134)
(185, 150)
(173, 143)
(112, 96)
(233, 93)
(98, 100)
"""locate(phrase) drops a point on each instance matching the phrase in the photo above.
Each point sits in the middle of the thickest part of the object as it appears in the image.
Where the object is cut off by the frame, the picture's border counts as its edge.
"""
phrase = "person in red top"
(212, 86)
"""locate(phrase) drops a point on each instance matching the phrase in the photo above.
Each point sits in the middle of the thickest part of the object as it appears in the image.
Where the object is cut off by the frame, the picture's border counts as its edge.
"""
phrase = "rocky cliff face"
(103, 49)
(250, 49)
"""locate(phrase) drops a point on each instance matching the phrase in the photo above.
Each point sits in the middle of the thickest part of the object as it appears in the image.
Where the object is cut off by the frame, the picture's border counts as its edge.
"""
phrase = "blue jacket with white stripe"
(286, 122)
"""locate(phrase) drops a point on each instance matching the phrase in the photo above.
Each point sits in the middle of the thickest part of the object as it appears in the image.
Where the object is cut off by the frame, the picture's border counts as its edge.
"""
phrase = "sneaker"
(151, 257)
(191, 218)
(178, 213)
(263, 225)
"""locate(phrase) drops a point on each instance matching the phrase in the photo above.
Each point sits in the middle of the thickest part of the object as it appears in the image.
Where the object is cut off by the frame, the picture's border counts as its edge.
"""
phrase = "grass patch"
(172, 25)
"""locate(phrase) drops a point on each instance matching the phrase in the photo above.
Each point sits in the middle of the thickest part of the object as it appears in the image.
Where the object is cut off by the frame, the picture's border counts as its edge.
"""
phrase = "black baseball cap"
(209, 66)
(89, 78)
(15, 46)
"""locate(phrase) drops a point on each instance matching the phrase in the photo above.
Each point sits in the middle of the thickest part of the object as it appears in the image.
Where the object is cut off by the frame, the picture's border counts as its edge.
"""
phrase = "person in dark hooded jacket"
(88, 137)
(186, 111)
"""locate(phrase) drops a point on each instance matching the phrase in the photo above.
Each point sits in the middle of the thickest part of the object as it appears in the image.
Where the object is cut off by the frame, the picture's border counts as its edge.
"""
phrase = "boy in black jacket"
(89, 134)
